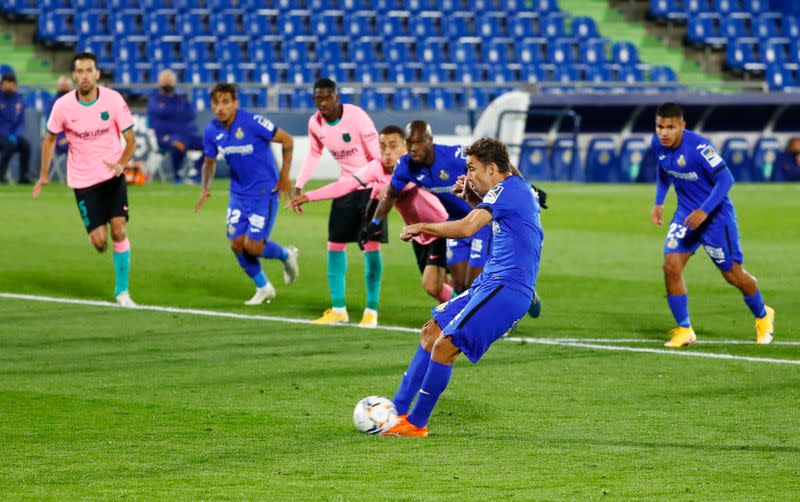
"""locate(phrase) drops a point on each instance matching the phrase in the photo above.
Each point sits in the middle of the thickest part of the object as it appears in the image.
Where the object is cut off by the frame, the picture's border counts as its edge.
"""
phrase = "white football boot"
(124, 300)
(291, 269)
(265, 294)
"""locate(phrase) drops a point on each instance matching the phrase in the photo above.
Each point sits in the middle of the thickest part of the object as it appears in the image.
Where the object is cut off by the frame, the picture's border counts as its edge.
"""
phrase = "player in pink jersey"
(413, 204)
(93, 118)
(348, 133)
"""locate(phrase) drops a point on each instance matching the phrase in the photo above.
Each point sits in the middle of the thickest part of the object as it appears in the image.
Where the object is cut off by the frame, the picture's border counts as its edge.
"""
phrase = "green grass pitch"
(108, 403)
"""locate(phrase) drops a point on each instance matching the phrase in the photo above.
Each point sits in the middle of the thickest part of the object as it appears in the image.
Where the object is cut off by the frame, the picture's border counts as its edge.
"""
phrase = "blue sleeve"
(662, 185)
(209, 145)
(724, 182)
(400, 177)
(499, 201)
(263, 128)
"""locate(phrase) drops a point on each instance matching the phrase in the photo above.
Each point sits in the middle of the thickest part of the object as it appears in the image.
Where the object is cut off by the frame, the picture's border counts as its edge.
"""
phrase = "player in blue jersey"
(497, 299)
(245, 141)
(436, 168)
(705, 215)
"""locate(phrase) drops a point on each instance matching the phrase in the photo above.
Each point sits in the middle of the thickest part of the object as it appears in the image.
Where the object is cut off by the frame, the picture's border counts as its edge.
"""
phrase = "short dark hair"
(670, 110)
(224, 88)
(393, 129)
(81, 56)
(8, 77)
(490, 150)
(325, 83)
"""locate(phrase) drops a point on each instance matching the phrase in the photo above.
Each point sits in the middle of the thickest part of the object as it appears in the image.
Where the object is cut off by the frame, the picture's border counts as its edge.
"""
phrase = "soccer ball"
(375, 414)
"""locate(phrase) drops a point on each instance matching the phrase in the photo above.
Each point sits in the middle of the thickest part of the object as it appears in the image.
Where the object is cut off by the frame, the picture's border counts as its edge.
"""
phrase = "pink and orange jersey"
(352, 141)
(414, 204)
(93, 130)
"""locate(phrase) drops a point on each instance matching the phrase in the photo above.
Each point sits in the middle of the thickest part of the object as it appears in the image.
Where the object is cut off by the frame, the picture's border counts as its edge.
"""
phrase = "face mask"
(167, 89)
(8, 94)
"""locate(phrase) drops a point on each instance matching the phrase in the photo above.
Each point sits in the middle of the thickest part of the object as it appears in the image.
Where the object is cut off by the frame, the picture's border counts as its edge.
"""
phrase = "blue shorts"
(476, 249)
(254, 216)
(477, 317)
(720, 237)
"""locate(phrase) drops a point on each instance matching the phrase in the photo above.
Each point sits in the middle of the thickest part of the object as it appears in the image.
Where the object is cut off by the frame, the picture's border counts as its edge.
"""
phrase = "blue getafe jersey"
(691, 168)
(449, 162)
(246, 147)
(517, 236)
(170, 114)
(12, 115)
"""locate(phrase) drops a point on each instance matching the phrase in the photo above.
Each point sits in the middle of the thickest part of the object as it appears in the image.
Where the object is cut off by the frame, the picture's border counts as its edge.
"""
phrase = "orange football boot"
(406, 428)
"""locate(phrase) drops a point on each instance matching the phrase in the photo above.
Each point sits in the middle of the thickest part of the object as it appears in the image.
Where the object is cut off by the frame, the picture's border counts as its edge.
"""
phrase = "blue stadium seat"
(790, 27)
(268, 73)
(491, 24)
(665, 75)
(261, 22)
(524, 25)
(126, 22)
(598, 73)
(458, 25)
(200, 99)
(237, 73)
(184, 5)
(299, 50)
(365, 50)
(394, 24)
(328, 23)
(765, 153)
(553, 26)
(534, 159)
(727, 6)
(115, 5)
(398, 50)
(82, 5)
(477, 98)
(227, 23)
(371, 99)
(736, 25)
(561, 51)
(440, 99)
(755, 6)
(565, 160)
(544, 6)
(296, 23)
(584, 27)
(164, 50)
(333, 50)
(779, 77)
(696, 7)
(49, 5)
(387, 5)
(266, 49)
(593, 51)
(432, 50)
(102, 46)
(404, 73)
(405, 99)
(625, 53)
(630, 74)
(661, 9)
(341, 72)
(736, 154)
(437, 73)
(37, 99)
(427, 24)
(419, 6)
(198, 74)
(131, 49)
(741, 54)
(602, 163)
(199, 50)
(233, 50)
(57, 26)
(774, 51)
(466, 50)
(160, 22)
(631, 155)
(531, 73)
(194, 23)
(369, 73)
(131, 73)
(498, 50)
(301, 75)
(362, 24)
(531, 50)
(92, 22)
(767, 26)
(470, 73)
(706, 29)
(27, 9)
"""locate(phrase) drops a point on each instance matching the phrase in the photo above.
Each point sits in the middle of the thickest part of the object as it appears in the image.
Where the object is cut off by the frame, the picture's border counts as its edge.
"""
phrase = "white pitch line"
(586, 343)
(668, 352)
(649, 340)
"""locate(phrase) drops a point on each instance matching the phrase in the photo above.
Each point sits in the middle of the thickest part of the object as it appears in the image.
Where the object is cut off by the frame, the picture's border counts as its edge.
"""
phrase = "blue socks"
(252, 267)
(436, 379)
(412, 380)
(337, 270)
(372, 276)
(756, 304)
(122, 268)
(274, 251)
(679, 305)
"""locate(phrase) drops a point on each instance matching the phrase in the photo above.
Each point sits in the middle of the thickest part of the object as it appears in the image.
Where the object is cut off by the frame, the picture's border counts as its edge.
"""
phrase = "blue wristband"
(376, 221)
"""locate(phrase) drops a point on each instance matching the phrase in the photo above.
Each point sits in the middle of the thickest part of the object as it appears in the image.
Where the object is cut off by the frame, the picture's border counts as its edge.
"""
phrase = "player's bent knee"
(237, 246)
(444, 352)
(254, 248)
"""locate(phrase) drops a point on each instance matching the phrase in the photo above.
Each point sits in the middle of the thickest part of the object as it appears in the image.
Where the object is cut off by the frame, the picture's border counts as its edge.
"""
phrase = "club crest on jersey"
(104, 115)
(492, 195)
(672, 243)
(443, 175)
(682, 161)
(346, 137)
(239, 133)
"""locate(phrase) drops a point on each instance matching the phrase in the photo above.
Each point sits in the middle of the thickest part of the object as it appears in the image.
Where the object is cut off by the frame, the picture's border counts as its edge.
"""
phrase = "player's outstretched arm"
(287, 151)
(209, 166)
(458, 229)
(48, 147)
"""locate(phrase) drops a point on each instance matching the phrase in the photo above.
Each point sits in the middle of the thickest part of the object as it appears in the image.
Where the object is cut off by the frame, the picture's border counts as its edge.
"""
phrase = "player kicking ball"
(497, 298)
(244, 140)
(93, 118)
(705, 215)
